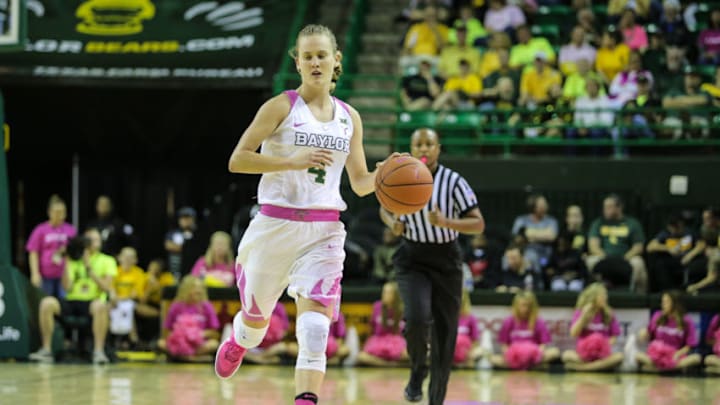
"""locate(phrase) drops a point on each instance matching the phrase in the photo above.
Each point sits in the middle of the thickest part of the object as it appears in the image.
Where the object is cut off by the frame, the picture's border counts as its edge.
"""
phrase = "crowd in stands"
(577, 69)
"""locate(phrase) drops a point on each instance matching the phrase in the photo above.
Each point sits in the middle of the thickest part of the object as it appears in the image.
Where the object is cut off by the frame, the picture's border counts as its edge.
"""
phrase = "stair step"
(384, 118)
(359, 102)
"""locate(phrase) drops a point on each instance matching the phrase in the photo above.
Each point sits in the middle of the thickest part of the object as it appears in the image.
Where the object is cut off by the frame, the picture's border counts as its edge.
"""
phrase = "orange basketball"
(403, 185)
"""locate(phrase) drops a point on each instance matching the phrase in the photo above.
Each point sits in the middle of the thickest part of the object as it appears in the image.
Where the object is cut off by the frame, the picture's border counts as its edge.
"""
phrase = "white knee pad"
(312, 330)
(246, 336)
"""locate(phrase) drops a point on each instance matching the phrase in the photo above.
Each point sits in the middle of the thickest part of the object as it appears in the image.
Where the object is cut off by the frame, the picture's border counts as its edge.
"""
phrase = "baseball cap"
(541, 56)
(187, 212)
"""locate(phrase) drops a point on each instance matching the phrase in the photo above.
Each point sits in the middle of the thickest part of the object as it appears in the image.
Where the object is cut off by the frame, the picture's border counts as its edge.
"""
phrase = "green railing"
(279, 78)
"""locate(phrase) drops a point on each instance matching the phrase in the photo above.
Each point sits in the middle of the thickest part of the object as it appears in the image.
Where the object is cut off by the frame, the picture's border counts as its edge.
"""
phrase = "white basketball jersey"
(310, 188)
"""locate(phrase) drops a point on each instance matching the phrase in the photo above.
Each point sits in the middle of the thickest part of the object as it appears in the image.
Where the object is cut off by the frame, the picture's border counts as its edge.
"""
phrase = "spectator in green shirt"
(615, 244)
(523, 54)
(88, 281)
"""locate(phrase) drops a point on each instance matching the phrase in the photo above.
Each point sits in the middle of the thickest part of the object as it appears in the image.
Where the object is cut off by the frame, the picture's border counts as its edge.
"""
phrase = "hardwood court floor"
(160, 384)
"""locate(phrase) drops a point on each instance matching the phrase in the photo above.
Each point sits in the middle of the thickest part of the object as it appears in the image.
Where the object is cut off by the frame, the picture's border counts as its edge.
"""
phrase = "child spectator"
(672, 335)
(272, 347)
(386, 346)
(467, 344)
(596, 328)
(191, 324)
(46, 249)
(217, 267)
(709, 40)
(129, 285)
(566, 270)
(712, 338)
(524, 336)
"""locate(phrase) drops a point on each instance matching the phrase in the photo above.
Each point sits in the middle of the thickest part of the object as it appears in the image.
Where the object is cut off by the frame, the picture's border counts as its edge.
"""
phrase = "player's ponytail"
(337, 71)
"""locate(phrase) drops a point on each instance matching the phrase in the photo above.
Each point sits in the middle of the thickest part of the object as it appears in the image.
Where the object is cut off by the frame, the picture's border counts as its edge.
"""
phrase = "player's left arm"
(362, 181)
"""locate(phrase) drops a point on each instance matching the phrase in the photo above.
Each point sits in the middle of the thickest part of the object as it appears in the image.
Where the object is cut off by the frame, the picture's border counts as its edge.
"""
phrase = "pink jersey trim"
(293, 214)
(292, 95)
(342, 103)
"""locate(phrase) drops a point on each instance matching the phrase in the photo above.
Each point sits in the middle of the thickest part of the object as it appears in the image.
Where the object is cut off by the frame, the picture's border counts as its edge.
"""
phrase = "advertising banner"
(238, 43)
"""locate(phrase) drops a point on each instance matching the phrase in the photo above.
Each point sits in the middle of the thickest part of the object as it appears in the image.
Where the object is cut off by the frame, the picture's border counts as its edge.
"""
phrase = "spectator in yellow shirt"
(460, 91)
(129, 285)
(451, 56)
(536, 82)
(490, 61)
(575, 84)
(527, 47)
(613, 55)
(425, 38)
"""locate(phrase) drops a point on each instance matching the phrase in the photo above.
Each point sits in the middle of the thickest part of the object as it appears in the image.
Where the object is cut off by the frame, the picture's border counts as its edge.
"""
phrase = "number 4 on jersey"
(319, 174)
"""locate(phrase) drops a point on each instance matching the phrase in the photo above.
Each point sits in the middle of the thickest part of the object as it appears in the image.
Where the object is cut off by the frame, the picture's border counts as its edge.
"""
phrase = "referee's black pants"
(430, 279)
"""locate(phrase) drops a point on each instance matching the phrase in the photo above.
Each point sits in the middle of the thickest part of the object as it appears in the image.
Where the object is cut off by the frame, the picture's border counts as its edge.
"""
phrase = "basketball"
(403, 185)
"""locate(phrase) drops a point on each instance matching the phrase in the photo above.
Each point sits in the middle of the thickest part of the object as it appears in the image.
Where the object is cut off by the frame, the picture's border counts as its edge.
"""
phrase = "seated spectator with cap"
(449, 64)
(527, 48)
(175, 239)
(536, 82)
(578, 49)
(420, 89)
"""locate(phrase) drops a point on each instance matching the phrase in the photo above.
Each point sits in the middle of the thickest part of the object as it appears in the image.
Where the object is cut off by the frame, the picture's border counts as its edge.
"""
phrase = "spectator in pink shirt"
(712, 338)
(217, 267)
(467, 343)
(709, 40)
(386, 347)
(46, 248)
(634, 34)
(502, 16)
(578, 49)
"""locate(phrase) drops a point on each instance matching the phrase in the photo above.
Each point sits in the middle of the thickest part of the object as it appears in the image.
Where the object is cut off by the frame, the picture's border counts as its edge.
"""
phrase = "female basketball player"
(297, 241)
(429, 273)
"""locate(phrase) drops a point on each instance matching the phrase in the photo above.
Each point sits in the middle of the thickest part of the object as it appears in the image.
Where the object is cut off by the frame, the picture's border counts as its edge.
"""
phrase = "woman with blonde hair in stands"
(524, 336)
(386, 346)
(217, 267)
(467, 343)
(595, 326)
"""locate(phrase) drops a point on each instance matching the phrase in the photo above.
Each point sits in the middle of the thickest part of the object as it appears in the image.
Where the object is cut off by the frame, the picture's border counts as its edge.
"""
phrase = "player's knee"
(49, 305)
(312, 335)
(245, 335)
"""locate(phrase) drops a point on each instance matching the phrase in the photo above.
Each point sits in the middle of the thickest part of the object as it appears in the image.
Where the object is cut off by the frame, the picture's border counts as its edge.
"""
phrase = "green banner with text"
(237, 43)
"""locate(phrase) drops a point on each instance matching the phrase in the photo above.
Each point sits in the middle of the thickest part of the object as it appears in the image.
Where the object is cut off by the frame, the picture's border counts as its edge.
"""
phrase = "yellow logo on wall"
(113, 17)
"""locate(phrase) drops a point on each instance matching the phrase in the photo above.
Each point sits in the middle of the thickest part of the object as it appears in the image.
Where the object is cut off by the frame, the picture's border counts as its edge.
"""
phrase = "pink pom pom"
(386, 347)
(463, 344)
(716, 346)
(661, 355)
(177, 345)
(593, 347)
(275, 332)
(523, 355)
(332, 346)
(186, 336)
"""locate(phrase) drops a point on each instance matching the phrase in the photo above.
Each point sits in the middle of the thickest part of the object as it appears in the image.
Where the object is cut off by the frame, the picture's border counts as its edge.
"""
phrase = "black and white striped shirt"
(454, 198)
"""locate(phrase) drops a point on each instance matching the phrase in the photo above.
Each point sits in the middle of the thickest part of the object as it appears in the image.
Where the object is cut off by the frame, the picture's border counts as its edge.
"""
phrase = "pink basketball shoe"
(228, 358)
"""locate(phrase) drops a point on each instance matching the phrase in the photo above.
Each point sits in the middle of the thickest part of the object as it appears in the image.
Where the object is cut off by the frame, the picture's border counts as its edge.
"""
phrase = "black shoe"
(413, 394)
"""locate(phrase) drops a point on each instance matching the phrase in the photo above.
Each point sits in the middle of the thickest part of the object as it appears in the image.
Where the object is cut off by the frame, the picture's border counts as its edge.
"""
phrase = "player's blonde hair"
(532, 312)
(210, 257)
(589, 296)
(317, 29)
(186, 286)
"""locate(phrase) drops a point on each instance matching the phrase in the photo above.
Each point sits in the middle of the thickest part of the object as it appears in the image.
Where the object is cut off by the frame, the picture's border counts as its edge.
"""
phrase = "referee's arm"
(471, 222)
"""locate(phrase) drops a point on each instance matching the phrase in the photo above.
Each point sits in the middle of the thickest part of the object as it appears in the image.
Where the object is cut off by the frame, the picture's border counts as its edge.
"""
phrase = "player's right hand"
(307, 158)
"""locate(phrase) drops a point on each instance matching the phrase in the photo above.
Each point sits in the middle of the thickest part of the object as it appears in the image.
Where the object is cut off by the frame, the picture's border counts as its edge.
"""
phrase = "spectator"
(484, 261)
(712, 361)
(692, 105)
(129, 286)
(672, 24)
(654, 58)
(640, 7)
(467, 343)
(578, 49)
(526, 50)
(695, 260)
(539, 228)
(574, 228)
(475, 32)
(536, 82)
(502, 98)
(87, 279)
(672, 72)
(709, 40)
(523, 336)
(191, 324)
(634, 34)
(176, 239)
(382, 257)
(46, 248)
(217, 267)
(148, 308)
(586, 19)
(503, 17)
(672, 336)
(491, 59)
(624, 87)
(615, 243)
(425, 38)
(665, 254)
(593, 113)
(517, 276)
(640, 115)
(449, 64)
(595, 326)
(576, 84)
(415, 11)
(711, 282)
(461, 91)
(386, 346)
(503, 70)
(613, 55)
(566, 270)
(115, 233)
(272, 347)
(420, 90)
(713, 89)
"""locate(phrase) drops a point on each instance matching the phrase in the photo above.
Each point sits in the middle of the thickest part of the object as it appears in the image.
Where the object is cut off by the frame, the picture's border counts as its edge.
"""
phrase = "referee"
(428, 266)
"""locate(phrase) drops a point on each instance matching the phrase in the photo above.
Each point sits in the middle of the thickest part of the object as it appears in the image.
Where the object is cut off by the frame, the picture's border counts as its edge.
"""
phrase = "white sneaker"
(42, 355)
(353, 343)
(630, 352)
(100, 358)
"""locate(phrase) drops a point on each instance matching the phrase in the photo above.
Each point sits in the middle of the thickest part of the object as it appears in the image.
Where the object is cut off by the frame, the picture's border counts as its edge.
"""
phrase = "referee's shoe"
(413, 390)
